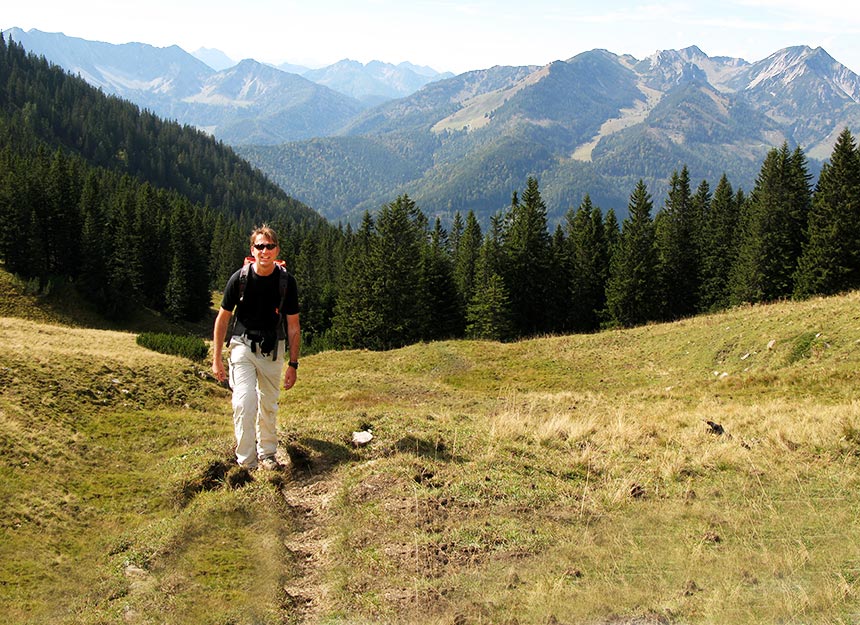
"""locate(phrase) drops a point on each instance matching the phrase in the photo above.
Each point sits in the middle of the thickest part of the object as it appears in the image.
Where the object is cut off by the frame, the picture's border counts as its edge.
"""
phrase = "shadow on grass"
(423, 448)
(314, 455)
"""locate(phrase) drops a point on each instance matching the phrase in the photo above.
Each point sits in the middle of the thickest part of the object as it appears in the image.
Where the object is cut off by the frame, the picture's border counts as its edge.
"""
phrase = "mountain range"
(595, 123)
(241, 103)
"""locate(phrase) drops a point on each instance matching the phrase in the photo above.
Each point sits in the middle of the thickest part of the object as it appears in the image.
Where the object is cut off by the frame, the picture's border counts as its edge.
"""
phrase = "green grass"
(562, 479)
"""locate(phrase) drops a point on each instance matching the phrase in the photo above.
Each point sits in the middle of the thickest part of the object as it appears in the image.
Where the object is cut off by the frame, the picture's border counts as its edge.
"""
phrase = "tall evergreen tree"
(400, 227)
(357, 316)
(526, 249)
(558, 283)
(441, 313)
(677, 250)
(632, 290)
(588, 266)
(62, 230)
(186, 293)
(830, 261)
(719, 247)
(488, 315)
(772, 229)
(93, 278)
(466, 256)
(612, 233)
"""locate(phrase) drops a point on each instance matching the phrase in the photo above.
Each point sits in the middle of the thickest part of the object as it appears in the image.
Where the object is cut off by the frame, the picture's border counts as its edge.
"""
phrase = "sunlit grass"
(562, 479)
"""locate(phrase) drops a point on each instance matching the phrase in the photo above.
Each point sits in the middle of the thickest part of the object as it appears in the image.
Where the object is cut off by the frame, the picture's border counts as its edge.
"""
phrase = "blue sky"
(452, 35)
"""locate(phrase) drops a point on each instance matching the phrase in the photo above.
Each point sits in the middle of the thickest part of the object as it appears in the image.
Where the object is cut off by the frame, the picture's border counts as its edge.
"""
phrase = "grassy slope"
(565, 479)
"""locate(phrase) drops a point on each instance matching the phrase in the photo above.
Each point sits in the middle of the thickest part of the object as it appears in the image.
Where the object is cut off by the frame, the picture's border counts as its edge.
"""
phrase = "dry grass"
(559, 480)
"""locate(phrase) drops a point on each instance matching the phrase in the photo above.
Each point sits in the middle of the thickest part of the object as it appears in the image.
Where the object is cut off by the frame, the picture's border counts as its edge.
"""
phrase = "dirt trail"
(308, 492)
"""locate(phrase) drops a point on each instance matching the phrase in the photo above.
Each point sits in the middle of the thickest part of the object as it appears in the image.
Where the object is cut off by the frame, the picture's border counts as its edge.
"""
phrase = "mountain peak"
(214, 58)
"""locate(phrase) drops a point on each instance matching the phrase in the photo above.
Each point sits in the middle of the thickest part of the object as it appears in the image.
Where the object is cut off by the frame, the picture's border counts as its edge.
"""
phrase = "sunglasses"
(265, 246)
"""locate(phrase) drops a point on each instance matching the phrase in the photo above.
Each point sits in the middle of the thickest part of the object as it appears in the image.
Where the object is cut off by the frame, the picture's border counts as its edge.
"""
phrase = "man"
(257, 348)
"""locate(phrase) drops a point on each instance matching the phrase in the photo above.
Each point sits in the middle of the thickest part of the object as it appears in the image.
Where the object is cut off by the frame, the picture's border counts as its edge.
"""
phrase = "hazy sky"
(452, 35)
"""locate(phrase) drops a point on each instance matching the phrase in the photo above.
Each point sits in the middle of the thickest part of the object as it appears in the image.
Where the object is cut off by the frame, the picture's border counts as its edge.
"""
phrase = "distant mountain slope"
(66, 112)
(242, 103)
(215, 59)
(252, 103)
(375, 82)
(595, 124)
(247, 103)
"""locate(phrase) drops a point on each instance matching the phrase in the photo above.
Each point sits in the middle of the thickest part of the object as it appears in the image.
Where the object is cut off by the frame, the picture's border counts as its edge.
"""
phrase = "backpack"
(283, 282)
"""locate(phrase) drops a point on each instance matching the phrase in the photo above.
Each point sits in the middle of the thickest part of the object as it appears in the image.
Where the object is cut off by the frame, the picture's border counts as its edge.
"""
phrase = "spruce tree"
(830, 260)
(357, 316)
(526, 249)
(488, 314)
(466, 256)
(772, 228)
(441, 314)
(400, 227)
(631, 292)
(718, 247)
(677, 250)
(588, 266)
(612, 233)
(93, 278)
(558, 283)
(186, 293)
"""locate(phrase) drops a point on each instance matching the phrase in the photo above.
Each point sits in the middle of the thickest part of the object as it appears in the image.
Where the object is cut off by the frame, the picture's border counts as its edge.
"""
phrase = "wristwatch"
(294, 364)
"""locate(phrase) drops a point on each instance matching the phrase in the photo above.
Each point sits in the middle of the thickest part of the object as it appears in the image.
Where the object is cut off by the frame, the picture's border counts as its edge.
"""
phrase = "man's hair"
(267, 232)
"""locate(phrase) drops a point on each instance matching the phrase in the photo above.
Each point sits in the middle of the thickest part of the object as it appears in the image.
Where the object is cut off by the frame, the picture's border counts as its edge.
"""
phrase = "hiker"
(263, 295)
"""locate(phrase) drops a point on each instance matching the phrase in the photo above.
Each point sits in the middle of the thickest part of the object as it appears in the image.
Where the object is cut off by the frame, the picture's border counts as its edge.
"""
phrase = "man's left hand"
(289, 378)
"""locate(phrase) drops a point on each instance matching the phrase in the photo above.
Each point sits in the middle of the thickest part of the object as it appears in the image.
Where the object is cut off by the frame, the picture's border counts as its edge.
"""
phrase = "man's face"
(264, 256)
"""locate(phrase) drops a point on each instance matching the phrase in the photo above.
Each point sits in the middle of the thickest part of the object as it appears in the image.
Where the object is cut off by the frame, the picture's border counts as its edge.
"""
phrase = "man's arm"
(218, 336)
(294, 335)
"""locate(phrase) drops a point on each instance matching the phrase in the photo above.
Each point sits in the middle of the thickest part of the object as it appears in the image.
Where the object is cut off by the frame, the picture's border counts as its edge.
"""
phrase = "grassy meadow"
(558, 480)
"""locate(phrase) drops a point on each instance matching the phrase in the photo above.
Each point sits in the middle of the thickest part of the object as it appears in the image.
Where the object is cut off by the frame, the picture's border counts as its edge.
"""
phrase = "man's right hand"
(218, 370)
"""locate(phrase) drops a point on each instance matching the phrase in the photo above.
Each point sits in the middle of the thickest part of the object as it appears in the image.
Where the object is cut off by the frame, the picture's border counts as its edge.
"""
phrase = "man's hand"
(218, 369)
(289, 378)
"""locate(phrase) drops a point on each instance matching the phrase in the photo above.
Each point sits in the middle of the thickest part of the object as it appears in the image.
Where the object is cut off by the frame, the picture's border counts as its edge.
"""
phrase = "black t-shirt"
(258, 309)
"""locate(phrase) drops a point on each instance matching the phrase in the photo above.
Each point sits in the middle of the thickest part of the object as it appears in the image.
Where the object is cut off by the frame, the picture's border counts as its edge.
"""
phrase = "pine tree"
(466, 256)
(440, 314)
(357, 316)
(719, 247)
(526, 249)
(557, 302)
(677, 250)
(488, 314)
(62, 230)
(93, 278)
(612, 233)
(124, 271)
(772, 227)
(186, 293)
(151, 223)
(631, 292)
(399, 228)
(588, 266)
(830, 260)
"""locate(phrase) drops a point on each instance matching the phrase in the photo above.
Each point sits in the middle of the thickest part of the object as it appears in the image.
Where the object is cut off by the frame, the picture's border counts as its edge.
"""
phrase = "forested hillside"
(135, 209)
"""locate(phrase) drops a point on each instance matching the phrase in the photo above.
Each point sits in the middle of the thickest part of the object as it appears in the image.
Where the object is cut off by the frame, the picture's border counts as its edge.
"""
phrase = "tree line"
(397, 279)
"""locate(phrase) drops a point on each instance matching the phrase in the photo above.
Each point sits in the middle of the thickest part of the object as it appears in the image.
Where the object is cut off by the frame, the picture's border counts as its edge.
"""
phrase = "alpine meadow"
(612, 418)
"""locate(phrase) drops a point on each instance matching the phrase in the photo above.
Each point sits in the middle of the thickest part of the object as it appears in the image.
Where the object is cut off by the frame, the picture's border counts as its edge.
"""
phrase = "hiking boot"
(269, 463)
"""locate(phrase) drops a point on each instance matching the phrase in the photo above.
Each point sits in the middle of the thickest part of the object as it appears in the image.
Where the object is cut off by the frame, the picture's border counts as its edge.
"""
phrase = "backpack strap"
(243, 276)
